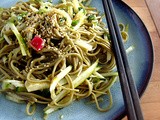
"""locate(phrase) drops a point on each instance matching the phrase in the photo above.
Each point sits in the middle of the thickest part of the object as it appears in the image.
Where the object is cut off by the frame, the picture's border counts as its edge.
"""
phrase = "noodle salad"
(54, 54)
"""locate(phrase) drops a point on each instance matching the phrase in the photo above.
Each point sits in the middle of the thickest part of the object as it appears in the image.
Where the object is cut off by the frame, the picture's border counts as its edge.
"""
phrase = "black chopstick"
(129, 90)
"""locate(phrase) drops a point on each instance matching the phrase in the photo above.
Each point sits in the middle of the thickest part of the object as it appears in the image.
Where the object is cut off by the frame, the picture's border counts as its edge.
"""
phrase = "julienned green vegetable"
(57, 78)
(20, 39)
(84, 75)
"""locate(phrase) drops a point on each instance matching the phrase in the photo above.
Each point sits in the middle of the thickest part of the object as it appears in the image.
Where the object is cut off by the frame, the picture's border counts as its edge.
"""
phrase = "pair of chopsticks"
(130, 94)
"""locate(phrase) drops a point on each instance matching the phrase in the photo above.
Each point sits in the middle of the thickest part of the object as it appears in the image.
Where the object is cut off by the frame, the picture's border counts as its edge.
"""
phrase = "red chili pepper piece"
(37, 43)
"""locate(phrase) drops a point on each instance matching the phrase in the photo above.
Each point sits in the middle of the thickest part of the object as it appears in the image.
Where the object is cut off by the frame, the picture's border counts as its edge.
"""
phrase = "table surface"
(148, 11)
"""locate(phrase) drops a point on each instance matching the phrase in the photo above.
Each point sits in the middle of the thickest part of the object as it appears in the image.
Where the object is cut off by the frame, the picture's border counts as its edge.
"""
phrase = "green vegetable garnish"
(20, 16)
(91, 17)
(74, 22)
(80, 8)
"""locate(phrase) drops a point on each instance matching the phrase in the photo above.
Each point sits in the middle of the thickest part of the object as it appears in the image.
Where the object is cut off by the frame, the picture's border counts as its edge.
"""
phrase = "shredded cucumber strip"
(20, 39)
(57, 78)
